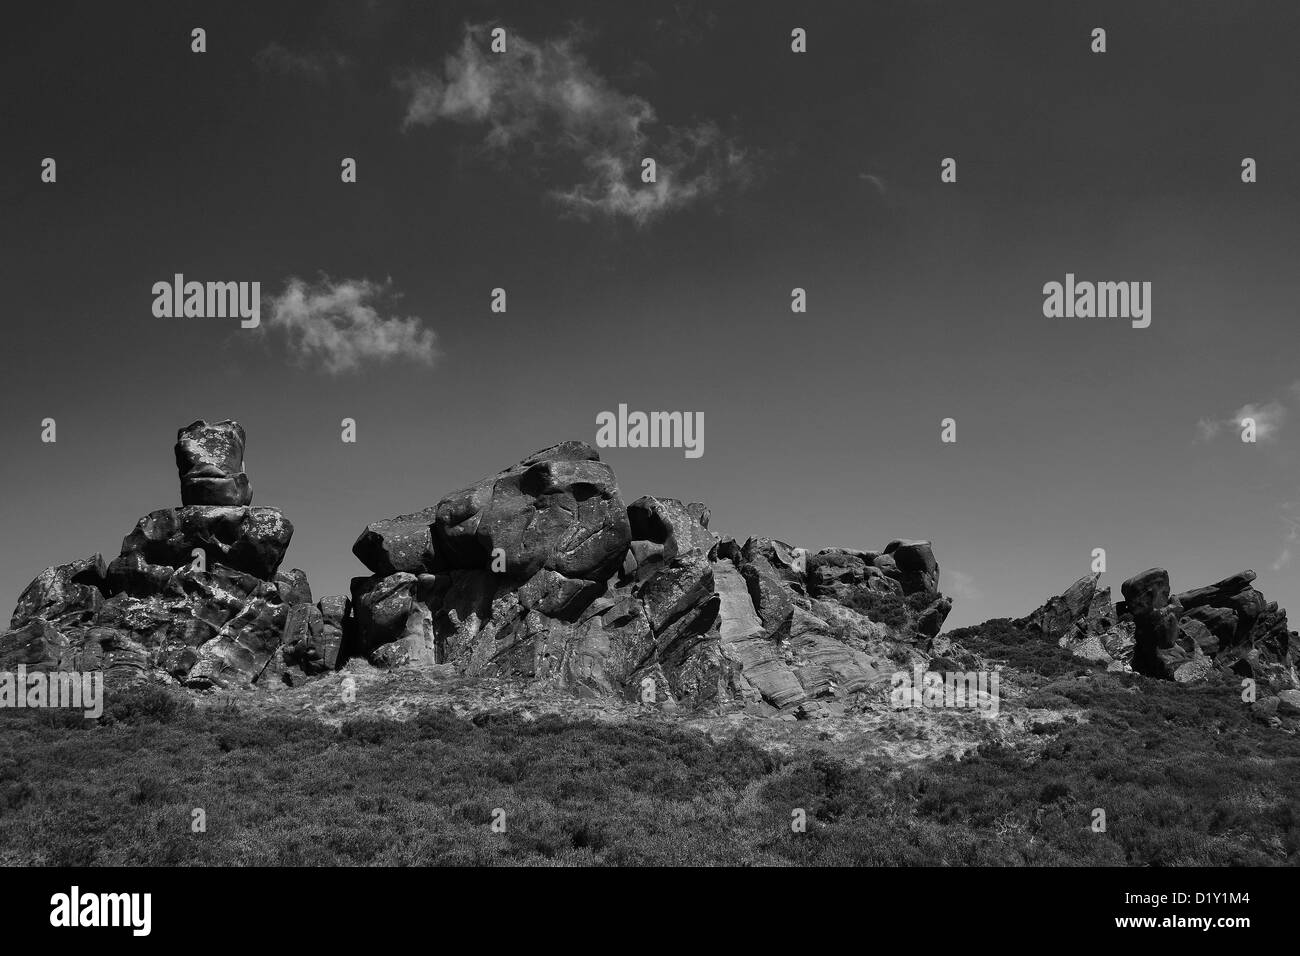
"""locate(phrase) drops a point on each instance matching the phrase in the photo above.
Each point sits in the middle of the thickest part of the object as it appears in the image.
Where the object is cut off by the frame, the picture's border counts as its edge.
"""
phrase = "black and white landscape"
(899, 397)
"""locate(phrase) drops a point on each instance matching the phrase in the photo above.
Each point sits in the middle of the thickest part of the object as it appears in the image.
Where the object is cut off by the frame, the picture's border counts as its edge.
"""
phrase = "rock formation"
(542, 573)
(210, 459)
(1227, 626)
(196, 595)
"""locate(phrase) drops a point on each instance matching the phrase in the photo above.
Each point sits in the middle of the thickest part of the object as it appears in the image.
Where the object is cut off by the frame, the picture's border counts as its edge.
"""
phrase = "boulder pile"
(196, 595)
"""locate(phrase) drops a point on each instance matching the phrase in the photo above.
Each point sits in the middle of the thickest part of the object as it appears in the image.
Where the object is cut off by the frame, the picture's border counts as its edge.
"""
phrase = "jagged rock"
(403, 543)
(930, 622)
(551, 593)
(835, 571)
(66, 590)
(825, 664)
(334, 610)
(1217, 594)
(559, 509)
(381, 606)
(1065, 616)
(778, 556)
(293, 587)
(1248, 605)
(469, 608)
(917, 567)
(123, 660)
(681, 530)
(252, 540)
(38, 645)
(210, 460)
(770, 597)
(1155, 624)
(301, 641)
(1146, 592)
(744, 640)
(1221, 622)
(416, 645)
(132, 574)
(643, 560)
(242, 649)
(1200, 635)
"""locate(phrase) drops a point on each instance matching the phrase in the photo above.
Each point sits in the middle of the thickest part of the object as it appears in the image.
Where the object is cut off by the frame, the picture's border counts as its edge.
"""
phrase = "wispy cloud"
(1269, 417)
(336, 326)
(958, 584)
(314, 66)
(547, 99)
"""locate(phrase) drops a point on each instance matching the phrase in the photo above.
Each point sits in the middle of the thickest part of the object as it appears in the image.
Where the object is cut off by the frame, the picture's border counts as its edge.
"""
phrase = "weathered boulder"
(381, 606)
(210, 460)
(930, 621)
(38, 645)
(293, 587)
(552, 594)
(789, 563)
(681, 529)
(835, 571)
(559, 509)
(253, 540)
(1221, 622)
(918, 570)
(403, 543)
(1146, 592)
(1216, 595)
(67, 590)
(335, 613)
(302, 638)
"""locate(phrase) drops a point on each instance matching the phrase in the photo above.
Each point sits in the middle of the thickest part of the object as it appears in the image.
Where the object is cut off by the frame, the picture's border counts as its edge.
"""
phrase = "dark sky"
(818, 170)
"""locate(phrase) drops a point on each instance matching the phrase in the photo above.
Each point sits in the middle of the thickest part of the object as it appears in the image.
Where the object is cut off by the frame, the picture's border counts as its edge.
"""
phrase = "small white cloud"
(1207, 429)
(336, 326)
(546, 99)
(1268, 419)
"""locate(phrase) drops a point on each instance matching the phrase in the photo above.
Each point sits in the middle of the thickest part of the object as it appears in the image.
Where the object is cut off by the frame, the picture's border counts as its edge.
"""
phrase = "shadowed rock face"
(210, 459)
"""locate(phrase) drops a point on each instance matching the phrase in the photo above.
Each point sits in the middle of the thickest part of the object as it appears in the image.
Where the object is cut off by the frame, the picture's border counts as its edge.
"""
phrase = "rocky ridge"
(542, 576)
